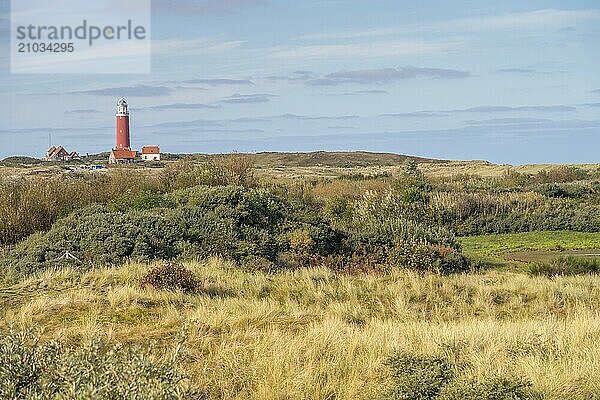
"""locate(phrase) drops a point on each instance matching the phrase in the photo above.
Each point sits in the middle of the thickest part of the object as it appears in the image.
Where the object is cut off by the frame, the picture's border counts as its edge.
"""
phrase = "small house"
(122, 156)
(150, 153)
(60, 154)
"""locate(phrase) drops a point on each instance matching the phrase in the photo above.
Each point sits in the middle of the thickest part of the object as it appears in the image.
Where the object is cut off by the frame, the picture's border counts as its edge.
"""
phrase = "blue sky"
(506, 81)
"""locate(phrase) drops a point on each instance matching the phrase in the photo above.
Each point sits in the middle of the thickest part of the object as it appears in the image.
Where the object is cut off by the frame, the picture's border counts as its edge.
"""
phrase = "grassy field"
(515, 249)
(314, 334)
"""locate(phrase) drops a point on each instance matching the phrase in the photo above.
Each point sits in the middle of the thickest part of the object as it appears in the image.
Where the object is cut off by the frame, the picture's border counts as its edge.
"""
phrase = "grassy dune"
(313, 334)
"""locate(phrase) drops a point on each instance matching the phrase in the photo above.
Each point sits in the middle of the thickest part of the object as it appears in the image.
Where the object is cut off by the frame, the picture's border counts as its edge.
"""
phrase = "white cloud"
(528, 20)
(381, 49)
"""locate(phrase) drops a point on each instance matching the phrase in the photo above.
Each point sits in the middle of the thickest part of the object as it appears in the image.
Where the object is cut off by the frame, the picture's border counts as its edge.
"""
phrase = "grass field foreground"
(314, 334)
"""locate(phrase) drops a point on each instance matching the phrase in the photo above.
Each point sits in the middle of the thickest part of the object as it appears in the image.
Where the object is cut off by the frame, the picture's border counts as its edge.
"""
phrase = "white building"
(150, 153)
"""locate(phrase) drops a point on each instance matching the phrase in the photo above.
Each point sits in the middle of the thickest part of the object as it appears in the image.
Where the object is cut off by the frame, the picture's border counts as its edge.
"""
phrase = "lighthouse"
(123, 140)
(122, 153)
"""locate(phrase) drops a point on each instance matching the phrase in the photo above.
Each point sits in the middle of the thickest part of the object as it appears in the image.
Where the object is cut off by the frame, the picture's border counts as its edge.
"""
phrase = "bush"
(566, 266)
(30, 369)
(259, 264)
(498, 388)
(422, 256)
(95, 236)
(337, 208)
(418, 377)
(421, 377)
(231, 222)
(171, 276)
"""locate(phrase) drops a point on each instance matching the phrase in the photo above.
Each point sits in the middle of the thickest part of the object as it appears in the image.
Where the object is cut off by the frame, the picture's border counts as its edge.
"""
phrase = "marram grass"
(313, 334)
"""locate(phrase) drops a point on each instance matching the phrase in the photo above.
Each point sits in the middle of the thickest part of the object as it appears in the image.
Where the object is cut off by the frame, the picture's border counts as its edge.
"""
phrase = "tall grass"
(314, 334)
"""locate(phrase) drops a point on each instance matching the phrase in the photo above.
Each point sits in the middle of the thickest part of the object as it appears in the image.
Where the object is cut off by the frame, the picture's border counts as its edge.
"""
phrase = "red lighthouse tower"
(123, 140)
(123, 152)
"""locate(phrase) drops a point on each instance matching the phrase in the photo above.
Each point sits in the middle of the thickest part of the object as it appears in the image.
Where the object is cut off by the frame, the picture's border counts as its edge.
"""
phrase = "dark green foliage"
(418, 377)
(422, 256)
(573, 190)
(30, 369)
(500, 388)
(338, 209)
(562, 214)
(232, 222)
(573, 265)
(171, 276)
(553, 190)
(96, 236)
(436, 377)
(20, 160)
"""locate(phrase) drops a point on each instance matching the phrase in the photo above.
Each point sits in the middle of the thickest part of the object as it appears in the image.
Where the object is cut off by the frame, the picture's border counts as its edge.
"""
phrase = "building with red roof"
(150, 153)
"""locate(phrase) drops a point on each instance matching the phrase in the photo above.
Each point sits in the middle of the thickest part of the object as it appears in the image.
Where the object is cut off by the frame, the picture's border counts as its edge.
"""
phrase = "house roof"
(123, 154)
(150, 150)
(57, 152)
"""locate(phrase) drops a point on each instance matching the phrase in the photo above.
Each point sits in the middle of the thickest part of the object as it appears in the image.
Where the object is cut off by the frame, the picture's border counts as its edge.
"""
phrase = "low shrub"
(231, 222)
(171, 276)
(425, 257)
(417, 377)
(32, 369)
(338, 209)
(437, 377)
(572, 265)
(498, 388)
(96, 236)
(259, 264)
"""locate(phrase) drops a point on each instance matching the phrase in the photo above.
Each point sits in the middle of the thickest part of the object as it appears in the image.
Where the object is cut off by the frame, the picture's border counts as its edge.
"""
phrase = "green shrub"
(572, 265)
(417, 377)
(95, 236)
(422, 256)
(231, 222)
(435, 377)
(337, 209)
(31, 369)
(171, 276)
(388, 231)
(498, 388)
(259, 264)
(19, 161)
(553, 190)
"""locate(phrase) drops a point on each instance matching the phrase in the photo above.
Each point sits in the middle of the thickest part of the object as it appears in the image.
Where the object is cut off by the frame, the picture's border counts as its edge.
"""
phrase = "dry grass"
(312, 334)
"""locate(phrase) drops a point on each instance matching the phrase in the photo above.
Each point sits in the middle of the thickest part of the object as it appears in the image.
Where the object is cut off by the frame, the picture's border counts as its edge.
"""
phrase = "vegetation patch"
(437, 377)
(572, 265)
(33, 369)
(171, 276)
(418, 377)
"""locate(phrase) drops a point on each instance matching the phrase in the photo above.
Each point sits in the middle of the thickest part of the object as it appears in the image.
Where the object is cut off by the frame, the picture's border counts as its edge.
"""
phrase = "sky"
(505, 81)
